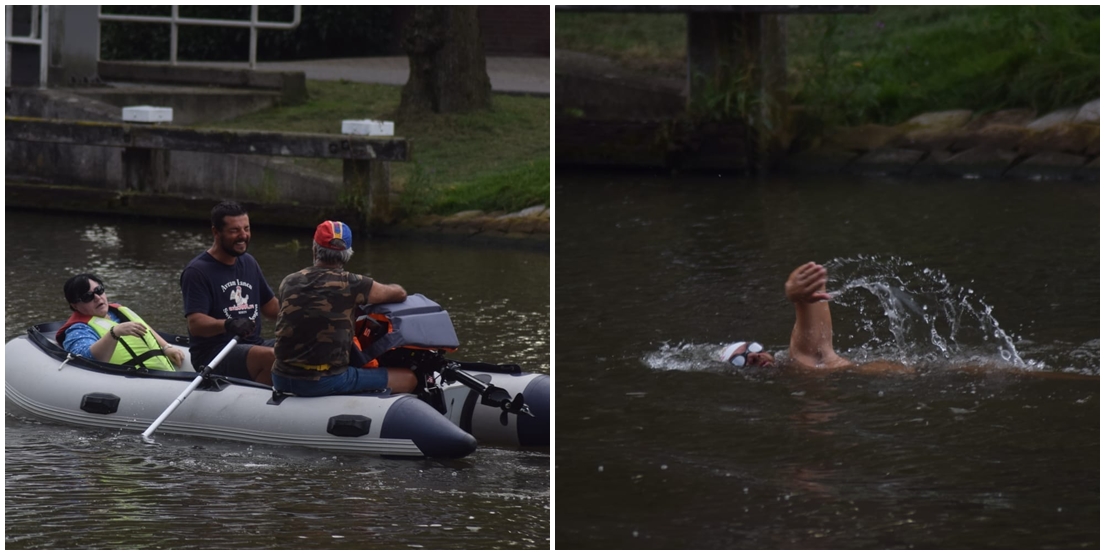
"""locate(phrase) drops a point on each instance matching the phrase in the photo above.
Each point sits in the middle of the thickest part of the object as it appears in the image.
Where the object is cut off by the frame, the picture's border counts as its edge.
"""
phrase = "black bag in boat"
(416, 323)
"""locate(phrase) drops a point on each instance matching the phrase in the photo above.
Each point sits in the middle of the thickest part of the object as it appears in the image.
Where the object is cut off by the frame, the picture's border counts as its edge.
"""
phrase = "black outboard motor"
(417, 333)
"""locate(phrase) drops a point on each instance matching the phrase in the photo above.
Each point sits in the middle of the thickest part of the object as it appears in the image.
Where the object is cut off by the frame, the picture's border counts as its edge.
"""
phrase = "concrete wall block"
(249, 178)
(190, 106)
(91, 166)
(57, 104)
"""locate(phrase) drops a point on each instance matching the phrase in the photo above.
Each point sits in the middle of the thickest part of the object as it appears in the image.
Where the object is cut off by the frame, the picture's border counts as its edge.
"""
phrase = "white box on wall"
(367, 127)
(147, 114)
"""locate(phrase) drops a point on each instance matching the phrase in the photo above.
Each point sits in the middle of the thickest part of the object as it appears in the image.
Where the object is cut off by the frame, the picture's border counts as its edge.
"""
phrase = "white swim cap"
(736, 353)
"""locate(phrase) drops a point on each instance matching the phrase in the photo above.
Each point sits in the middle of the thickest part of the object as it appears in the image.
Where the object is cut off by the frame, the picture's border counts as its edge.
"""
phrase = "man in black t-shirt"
(224, 295)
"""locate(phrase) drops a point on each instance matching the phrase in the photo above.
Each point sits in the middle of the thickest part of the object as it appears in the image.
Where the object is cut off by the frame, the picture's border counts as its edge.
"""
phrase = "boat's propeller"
(490, 395)
(426, 364)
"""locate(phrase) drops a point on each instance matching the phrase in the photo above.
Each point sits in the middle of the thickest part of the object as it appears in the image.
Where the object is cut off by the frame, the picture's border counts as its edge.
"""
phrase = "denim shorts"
(354, 380)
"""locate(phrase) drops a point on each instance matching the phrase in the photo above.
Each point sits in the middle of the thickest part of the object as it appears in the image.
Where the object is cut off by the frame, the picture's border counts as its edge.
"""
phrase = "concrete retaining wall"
(1013, 144)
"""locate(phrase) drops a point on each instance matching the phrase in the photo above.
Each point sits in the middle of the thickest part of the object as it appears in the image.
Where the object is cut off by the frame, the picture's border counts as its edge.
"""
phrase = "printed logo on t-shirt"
(239, 300)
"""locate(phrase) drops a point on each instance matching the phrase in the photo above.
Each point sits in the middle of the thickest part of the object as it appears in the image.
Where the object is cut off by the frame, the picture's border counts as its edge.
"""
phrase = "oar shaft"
(191, 387)
(176, 403)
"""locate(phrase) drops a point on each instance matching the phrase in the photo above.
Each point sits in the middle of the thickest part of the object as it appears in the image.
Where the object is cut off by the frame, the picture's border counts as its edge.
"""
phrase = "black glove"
(240, 327)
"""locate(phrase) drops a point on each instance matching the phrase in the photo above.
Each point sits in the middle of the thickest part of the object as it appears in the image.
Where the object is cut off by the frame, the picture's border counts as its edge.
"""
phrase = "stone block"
(928, 139)
(531, 211)
(1072, 138)
(983, 161)
(522, 225)
(1088, 113)
(948, 119)
(997, 135)
(1052, 119)
(887, 161)
(468, 214)
(500, 224)
(862, 138)
(1048, 165)
(1018, 117)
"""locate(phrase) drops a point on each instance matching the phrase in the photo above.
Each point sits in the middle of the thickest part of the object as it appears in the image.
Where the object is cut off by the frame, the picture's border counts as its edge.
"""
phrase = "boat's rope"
(68, 357)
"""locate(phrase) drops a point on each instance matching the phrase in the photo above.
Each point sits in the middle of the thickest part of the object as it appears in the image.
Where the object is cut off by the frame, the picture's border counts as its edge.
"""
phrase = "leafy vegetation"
(496, 160)
(893, 63)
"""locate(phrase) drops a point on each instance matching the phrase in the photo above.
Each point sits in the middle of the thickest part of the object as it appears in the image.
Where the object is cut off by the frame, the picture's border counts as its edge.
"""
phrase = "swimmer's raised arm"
(811, 340)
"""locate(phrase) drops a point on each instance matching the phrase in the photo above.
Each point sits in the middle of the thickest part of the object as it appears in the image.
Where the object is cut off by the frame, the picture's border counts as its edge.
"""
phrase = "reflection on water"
(661, 446)
(94, 488)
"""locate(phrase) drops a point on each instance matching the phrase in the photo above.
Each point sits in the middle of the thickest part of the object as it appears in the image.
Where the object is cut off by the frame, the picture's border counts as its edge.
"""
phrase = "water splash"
(913, 314)
(685, 357)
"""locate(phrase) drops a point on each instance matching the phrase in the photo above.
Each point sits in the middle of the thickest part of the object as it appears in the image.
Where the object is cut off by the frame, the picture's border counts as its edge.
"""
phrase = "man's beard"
(228, 248)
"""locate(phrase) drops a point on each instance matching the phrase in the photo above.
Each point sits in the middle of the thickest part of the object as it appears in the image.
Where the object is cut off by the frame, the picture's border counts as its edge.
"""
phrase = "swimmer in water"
(811, 340)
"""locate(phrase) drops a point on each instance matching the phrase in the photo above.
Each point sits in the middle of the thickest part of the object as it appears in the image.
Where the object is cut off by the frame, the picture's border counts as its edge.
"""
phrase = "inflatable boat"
(500, 405)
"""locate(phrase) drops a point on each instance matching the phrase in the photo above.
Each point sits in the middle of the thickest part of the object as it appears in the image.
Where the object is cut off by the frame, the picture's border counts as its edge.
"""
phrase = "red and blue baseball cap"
(335, 236)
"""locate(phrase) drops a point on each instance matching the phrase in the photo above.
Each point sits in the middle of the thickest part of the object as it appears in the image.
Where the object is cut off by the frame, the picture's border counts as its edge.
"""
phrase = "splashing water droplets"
(887, 300)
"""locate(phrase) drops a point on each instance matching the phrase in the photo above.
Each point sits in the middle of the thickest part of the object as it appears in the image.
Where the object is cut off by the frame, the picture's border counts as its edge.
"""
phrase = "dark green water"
(95, 488)
(658, 446)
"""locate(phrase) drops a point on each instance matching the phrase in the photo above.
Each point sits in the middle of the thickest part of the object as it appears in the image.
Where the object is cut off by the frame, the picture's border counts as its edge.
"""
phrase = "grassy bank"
(496, 160)
(896, 62)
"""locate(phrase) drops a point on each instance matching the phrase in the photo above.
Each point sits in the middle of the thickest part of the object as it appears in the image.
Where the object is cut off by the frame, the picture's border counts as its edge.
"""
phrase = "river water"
(988, 291)
(97, 488)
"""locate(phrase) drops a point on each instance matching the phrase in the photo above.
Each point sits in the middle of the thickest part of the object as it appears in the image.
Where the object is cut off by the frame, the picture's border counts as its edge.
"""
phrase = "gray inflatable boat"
(46, 382)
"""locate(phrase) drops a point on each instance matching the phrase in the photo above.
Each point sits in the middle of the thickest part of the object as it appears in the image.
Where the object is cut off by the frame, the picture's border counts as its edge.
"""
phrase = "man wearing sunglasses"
(109, 332)
(225, 295)
(811, 340)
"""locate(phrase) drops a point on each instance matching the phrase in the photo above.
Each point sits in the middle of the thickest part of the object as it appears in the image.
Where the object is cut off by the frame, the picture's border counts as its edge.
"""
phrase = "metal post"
(8, 45)
(253, 11)
(173, 35)
(44, 52)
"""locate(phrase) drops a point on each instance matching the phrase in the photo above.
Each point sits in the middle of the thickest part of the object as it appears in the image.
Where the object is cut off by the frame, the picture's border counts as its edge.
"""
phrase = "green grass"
(892, 64)
(496, 160)
(896, 62)
(654, 43)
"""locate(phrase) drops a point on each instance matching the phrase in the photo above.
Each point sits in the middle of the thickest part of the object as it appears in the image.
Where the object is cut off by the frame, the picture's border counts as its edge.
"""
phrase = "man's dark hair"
(224, 209)
(78, 285)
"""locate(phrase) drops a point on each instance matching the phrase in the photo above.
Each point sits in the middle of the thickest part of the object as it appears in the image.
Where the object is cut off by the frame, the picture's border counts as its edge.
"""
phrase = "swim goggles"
(737, 353)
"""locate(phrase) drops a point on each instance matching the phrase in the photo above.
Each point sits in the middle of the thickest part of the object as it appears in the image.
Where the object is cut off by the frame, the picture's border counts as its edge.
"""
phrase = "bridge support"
(736, 70)
(366, 188)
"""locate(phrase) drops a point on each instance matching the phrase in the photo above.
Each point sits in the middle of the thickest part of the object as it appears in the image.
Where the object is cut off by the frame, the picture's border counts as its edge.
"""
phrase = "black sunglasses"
(87, 297)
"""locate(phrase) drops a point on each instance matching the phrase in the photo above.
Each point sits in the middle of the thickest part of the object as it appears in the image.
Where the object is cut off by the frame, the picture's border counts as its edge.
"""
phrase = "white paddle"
(195, 383)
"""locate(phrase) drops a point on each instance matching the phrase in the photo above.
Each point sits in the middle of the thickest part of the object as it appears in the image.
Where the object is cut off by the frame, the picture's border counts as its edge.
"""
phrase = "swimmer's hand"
(806, 284)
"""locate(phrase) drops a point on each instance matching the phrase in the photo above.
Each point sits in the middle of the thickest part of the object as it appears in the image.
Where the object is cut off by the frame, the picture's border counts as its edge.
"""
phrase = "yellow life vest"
(129, 347)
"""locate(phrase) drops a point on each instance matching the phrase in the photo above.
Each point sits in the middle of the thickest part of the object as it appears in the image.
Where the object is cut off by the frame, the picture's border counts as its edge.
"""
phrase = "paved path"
(508, 75)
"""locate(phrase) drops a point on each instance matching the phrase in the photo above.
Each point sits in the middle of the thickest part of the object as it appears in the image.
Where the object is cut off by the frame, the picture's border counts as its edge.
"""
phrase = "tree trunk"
(448, 70)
